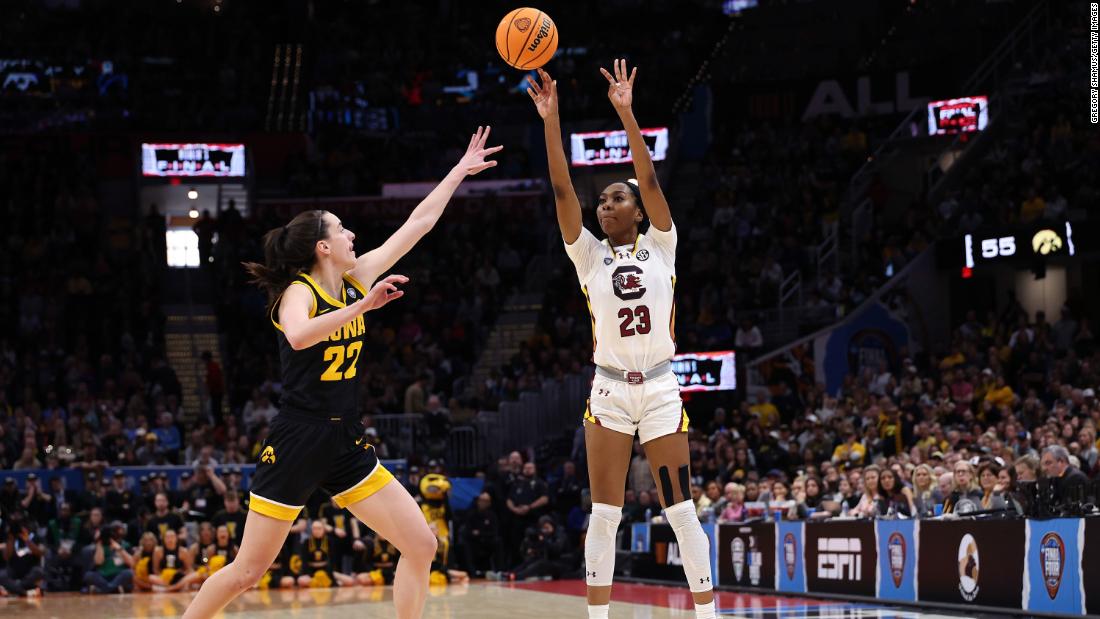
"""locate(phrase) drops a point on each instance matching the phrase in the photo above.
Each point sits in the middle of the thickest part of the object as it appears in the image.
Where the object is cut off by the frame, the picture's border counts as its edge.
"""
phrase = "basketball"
(527, 38)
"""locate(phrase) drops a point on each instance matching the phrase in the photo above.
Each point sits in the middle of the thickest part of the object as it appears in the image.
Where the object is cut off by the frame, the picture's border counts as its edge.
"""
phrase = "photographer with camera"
(544, 552)
(23, 556)
(113, 563)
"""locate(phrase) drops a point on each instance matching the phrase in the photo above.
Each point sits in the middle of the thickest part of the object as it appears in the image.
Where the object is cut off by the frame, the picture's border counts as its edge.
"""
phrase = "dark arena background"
(888, 231)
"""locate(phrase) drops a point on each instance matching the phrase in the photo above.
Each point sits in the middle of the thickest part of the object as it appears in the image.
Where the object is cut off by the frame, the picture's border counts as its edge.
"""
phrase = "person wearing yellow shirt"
(1001, 394)
(765, 412)
(850, 452)
(955, 358)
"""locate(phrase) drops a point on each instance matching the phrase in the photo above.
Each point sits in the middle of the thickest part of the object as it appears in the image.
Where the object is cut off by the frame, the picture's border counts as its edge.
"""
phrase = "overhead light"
(192, 194)
(193, 213)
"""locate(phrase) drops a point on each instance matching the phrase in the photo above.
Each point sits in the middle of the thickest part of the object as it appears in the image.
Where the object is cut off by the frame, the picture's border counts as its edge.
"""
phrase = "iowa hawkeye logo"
(268, 455)
(627, 282)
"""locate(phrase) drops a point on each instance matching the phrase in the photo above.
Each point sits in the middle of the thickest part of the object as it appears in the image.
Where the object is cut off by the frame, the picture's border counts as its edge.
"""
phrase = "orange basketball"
(527, 38)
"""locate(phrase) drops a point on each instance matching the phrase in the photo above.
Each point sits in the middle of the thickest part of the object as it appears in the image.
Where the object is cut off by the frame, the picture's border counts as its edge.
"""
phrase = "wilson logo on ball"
(522, 24)
(544, 31)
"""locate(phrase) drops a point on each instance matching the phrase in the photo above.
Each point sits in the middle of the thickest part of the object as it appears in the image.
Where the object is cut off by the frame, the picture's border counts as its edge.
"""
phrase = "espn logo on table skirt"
(839, 558)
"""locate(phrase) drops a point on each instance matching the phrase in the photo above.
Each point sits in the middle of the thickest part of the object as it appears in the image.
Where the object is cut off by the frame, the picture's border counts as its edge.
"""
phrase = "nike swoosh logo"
(323, 311)
(359, 441)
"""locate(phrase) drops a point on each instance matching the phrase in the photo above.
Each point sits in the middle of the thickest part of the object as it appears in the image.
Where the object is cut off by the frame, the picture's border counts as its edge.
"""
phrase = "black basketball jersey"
(322, 380)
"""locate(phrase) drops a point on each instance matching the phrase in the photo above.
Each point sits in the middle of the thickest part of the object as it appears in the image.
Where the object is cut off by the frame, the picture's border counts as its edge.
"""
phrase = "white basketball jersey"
(630, 297)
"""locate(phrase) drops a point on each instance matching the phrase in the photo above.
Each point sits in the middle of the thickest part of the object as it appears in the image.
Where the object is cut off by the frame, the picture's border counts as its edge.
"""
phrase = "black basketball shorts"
(302, 453)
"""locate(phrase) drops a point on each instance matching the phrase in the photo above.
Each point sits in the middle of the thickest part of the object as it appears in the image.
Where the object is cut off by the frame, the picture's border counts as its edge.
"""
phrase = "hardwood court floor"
(538, 600)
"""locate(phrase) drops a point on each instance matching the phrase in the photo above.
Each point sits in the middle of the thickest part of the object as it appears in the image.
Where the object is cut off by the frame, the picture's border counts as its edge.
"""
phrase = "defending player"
(315, 285)
(628, 281)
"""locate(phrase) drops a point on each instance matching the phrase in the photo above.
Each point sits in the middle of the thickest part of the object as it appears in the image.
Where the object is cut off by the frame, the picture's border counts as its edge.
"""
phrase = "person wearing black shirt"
(1056, 467)
(63, 571)
(567, 491)
(163, 520)
(23, 556)
(38, 505)
(527, 497)
(232, 517)
(121, 502)
(545, 552)
(204, 494)
(479, 538)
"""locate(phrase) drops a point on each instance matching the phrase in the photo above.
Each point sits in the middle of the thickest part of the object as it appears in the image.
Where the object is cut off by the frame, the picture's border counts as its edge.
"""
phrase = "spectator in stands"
(894, 499)
(258, 410)
(1027, 468)
(734, 509)
(479, 538)
(989, 483)
(748, 338)
(866, 506)
(1056, 466)
(926, 494)
(965, 495)
(415, 395)
(849, 453)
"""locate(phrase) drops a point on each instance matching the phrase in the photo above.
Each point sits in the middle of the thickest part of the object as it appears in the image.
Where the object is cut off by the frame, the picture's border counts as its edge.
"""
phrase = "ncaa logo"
(969, 567)
(895, 546)
(789, 555)
(1052, 558)
(737, 555)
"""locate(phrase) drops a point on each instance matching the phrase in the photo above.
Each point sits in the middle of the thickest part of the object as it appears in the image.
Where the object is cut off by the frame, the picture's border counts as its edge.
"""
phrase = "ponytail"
(288, 250)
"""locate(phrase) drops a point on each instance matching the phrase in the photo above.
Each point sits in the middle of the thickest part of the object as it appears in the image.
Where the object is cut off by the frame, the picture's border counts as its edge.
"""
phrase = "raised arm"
(565, 197)
(375, 262)
(620, 92)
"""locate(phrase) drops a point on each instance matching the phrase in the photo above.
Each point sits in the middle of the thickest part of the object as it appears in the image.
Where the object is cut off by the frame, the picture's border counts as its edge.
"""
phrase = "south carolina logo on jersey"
(627, 282)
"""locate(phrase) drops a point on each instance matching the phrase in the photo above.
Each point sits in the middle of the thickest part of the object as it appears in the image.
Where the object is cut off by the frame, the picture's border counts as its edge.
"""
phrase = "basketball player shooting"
(628, 280)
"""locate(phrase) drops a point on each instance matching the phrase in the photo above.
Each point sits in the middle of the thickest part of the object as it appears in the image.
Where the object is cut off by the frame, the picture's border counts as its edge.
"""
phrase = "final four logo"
(895, 545)
(1052, 558)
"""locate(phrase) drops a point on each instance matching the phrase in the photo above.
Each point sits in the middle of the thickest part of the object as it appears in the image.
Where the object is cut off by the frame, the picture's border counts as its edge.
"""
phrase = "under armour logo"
(704, 580)
(590, 574)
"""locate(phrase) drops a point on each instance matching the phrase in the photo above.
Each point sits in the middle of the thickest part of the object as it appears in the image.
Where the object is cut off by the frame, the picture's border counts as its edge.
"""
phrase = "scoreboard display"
(1018, 246)
(706, 371)
(961, 115)
(611, 147)
(193, 159)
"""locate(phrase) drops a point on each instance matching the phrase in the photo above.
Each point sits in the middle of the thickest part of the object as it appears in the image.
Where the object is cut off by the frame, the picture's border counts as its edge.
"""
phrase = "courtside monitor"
(963, 115)
(610, 147)
(193, 159)
(706, 371)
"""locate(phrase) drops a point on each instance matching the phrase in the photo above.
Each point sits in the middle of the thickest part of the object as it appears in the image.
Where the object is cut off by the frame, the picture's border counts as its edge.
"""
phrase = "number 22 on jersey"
(336, 357)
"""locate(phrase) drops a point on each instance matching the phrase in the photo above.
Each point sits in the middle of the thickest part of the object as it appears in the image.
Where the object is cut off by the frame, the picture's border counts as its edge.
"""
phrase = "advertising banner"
(789, 563)
(1090, 566)
(896, 541)
(1052, 574)
(840, 557)
(746, 555)
(968, 562)
(665, 562)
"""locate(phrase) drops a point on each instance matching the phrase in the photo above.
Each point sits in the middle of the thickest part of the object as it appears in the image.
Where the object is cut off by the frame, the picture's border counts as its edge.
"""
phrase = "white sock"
(599, 612)
(703, 611)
